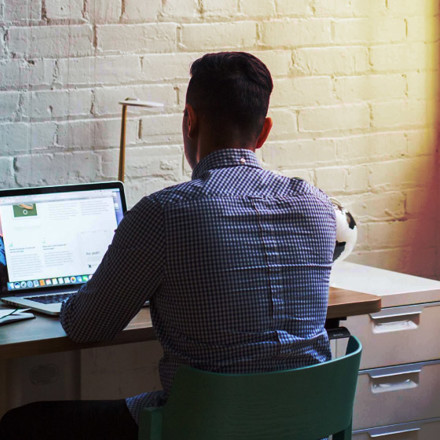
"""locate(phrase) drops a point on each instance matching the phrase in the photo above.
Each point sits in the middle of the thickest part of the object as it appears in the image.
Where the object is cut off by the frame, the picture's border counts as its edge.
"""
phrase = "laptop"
(53, 238)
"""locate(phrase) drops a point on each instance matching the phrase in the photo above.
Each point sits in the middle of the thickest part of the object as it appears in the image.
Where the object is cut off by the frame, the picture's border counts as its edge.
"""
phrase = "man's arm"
(129, 274)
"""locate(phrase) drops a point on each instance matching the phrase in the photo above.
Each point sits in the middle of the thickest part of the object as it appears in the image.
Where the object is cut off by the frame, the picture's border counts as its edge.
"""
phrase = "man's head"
(226, 104)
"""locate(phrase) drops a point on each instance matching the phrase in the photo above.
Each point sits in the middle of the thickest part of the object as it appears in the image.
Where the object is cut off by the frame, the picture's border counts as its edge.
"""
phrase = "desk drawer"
(397, 335)
(399, 394)
(420, 430)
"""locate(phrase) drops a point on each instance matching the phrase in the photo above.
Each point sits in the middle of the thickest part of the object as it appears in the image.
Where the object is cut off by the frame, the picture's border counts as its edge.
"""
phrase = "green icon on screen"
(25, 210)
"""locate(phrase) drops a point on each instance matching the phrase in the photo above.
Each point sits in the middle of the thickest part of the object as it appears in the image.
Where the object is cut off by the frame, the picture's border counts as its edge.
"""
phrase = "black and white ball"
(346, 232)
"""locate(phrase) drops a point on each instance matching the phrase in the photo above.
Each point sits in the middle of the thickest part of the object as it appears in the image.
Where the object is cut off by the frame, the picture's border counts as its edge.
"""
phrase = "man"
(235, 263)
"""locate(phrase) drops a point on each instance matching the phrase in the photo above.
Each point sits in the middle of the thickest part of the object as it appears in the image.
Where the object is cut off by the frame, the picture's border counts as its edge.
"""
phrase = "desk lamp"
(125, 104)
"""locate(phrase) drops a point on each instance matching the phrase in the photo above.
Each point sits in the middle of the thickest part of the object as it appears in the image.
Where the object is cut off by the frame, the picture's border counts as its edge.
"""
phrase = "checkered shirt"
(235, 263)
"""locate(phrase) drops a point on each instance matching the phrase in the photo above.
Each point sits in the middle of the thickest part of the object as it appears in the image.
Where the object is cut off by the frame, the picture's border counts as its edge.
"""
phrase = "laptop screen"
(56, 236)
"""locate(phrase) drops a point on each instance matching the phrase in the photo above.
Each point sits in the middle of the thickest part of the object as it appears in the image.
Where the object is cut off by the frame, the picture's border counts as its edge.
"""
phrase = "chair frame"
(213, 406)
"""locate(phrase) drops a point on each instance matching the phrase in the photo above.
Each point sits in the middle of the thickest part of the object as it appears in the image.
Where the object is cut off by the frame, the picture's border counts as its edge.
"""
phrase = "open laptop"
(52, 239)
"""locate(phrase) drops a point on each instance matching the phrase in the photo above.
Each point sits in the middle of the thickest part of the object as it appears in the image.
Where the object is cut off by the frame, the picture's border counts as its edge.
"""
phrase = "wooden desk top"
(44, 334)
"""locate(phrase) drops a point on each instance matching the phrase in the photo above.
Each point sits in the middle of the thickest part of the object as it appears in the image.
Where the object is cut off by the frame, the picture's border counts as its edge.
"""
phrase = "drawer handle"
(395, 372)
(394, 379)
(402, 319)
(407, 311)
(391, 432)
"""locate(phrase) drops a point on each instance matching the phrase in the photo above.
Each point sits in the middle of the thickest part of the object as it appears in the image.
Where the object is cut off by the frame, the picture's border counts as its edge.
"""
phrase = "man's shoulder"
(174, 194)
(306, 189)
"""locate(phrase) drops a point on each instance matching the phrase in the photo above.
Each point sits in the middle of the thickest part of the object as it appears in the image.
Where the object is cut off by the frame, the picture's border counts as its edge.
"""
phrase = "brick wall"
(355, 100)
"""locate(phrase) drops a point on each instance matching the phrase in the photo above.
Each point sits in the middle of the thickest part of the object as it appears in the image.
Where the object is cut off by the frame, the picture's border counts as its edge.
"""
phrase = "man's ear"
(264, 133)
(192, 121)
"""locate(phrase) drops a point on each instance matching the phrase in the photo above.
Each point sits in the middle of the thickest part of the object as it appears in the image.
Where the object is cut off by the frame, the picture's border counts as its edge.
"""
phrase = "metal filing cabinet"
(398, 393)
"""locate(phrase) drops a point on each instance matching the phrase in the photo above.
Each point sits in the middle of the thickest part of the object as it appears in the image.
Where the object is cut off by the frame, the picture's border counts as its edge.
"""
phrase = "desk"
(38, 361)
(45, 334)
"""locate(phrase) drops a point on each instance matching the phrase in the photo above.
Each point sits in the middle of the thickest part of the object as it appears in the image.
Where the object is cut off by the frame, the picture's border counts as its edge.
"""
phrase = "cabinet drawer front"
(419, 430)
(397, 394)
(397, 335)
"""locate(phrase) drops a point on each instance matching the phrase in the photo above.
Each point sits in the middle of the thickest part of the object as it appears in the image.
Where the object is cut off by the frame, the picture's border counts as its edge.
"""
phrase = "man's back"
(235, 263)
(248, 256)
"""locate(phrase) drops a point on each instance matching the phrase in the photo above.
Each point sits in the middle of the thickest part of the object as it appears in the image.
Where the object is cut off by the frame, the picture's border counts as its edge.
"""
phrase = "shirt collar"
(226, 157)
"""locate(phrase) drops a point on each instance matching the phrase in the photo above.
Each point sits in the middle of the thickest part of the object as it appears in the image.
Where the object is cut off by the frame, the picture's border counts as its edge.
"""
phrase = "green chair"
(305, 404)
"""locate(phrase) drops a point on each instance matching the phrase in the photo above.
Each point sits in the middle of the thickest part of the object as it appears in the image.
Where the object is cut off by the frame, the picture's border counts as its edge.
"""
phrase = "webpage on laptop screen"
(56, 239)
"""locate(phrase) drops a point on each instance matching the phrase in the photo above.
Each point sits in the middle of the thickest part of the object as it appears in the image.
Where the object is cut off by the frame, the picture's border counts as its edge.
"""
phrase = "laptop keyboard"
(51, 299)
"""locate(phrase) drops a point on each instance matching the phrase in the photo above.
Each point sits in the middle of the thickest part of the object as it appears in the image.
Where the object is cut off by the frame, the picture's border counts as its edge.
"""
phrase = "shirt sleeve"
(130, 273)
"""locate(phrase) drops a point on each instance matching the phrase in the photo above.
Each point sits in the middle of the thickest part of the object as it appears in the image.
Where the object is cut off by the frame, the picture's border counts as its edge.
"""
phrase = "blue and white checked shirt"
(236, 265)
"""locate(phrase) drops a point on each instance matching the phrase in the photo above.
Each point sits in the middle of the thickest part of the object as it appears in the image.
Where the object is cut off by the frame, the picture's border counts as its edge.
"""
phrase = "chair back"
(307, 403)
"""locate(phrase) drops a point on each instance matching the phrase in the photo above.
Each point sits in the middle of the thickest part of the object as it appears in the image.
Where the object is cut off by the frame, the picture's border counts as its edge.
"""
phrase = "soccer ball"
(346, 232)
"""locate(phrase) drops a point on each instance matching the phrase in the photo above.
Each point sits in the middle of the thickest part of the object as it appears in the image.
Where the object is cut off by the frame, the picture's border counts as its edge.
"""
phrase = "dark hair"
(231, 90)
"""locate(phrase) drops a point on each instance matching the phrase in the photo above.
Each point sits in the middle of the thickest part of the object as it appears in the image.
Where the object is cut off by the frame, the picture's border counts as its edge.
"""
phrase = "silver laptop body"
(53, 238)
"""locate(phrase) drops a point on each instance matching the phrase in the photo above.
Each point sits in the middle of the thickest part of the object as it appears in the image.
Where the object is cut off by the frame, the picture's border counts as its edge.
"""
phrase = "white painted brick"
(295, 32)
(404, 173)
(6, 172)
(135, 10)
(60, 9)
(333, 118)
(181, 94)
(303, 91)
(421, 142)
(422, 28)
(357, 179)
(331, 60)
(400, 113)
(8, 105)
(421, 84)
(57, 103)
(104, 11)
(299, 153)
(161, 126)
(51, 41)
(370, 87)
(22, 10)
(371, 8)
(279, 62)
(224, 9)
(332, 8)
(107, 99)
(401, 233)
(164, 162)
(181, 8)
(221, 36)
(383, 206)
(407, 8)
(331, 180)
(293, 7)
(128, 38)
(53, 169)
(15, 73)
(165, 67)
(98, 133)
(284, 123)
(365, 30)
(369, 147)
(251, 8)
(108, 70)
(20, 137)
(399, 57)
